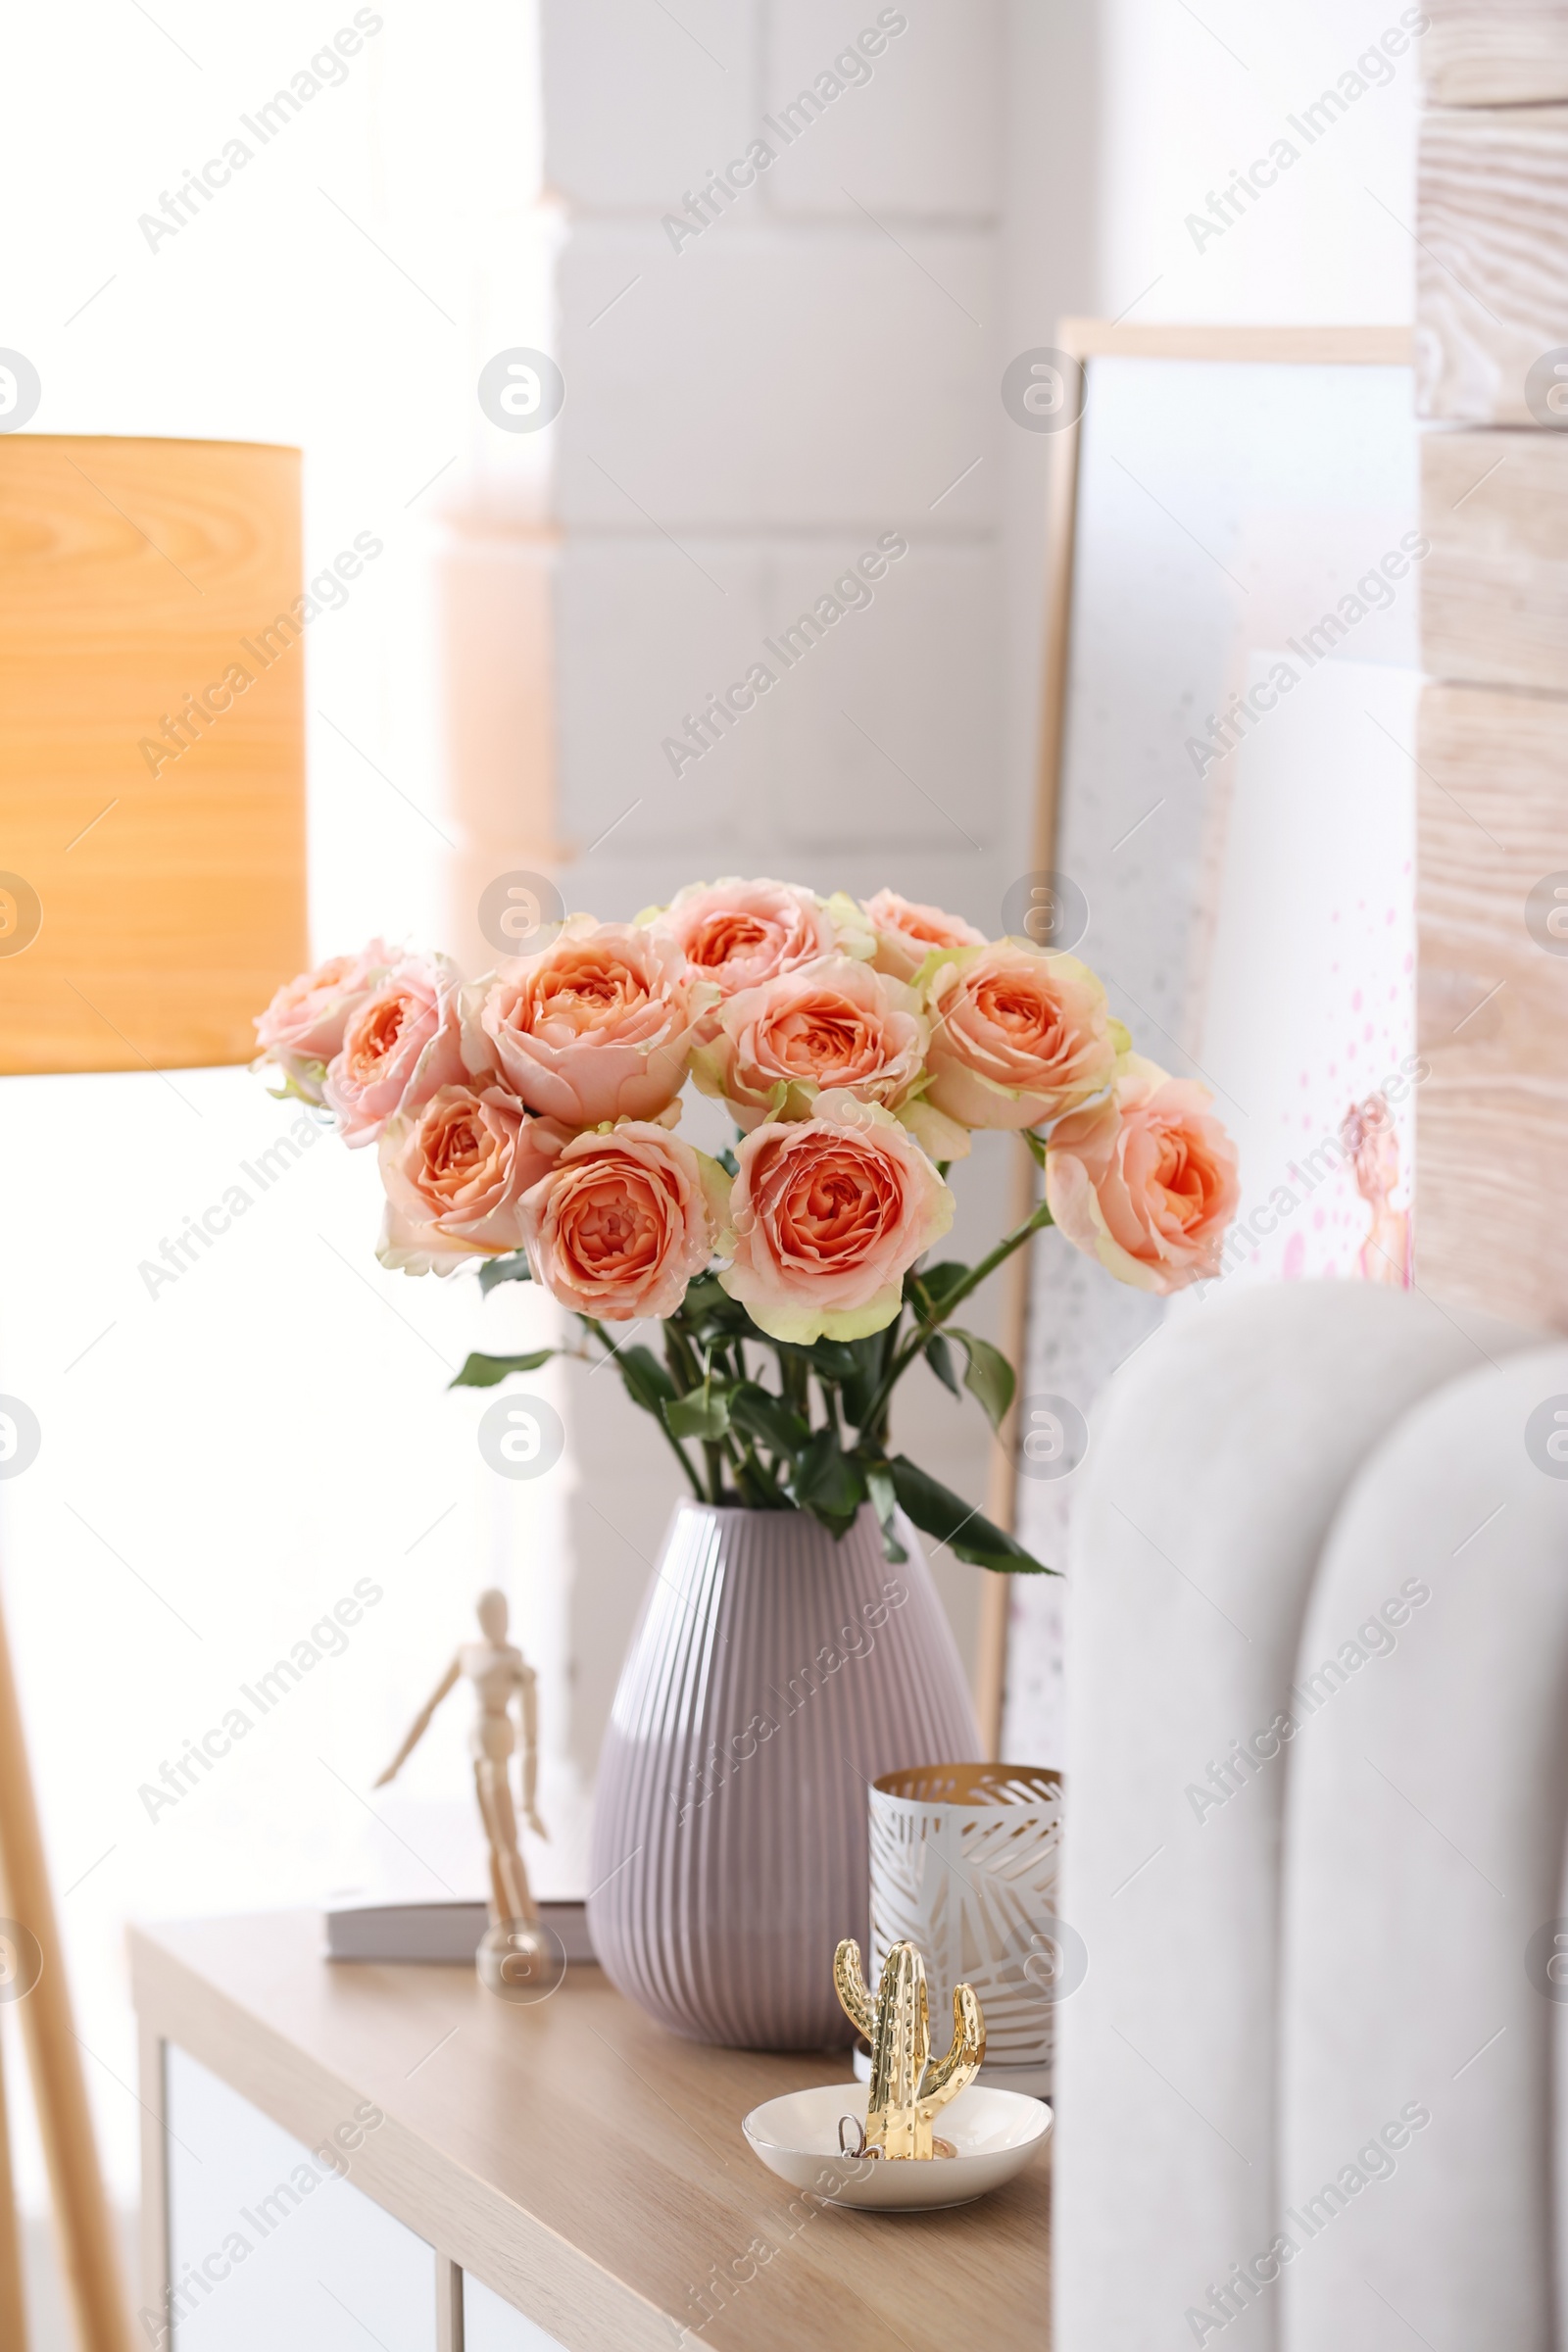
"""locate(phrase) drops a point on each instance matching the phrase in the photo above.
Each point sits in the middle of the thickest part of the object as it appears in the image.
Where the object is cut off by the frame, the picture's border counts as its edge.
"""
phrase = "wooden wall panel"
(1494, 587)
(136, 576)
(1491, 1148)
(1491, 260)
(1495, 52)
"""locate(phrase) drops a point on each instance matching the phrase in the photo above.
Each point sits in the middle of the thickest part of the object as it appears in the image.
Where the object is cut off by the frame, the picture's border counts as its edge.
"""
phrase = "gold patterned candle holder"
(965, 1860)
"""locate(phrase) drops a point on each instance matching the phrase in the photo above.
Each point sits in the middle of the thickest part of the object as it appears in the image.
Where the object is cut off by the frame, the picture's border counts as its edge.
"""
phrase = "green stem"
(670, 1439)
(681, 1357)
(877, 1432)
(924, 1331)
(757, 1486)
(795, 1383)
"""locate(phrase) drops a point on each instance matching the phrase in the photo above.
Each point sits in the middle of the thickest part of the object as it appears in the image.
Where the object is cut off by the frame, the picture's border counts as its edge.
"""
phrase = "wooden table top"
(583, 2163)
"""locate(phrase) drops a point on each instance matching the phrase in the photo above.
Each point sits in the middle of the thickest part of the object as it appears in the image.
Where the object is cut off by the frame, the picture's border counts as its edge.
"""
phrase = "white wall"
(747, 410)
(1192, 97)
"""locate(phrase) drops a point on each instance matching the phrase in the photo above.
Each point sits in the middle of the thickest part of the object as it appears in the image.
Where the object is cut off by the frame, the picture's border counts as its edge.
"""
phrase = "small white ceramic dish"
(995, 2134)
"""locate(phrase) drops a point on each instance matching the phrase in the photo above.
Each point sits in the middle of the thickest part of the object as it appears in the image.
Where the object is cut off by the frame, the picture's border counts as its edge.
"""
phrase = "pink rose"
(1145, 1181)
(827, 1218)
(623, 1221)
(1017, 1035)
(454, 1173)
(303, 1026)
(599, 1025)
(738, 934)
(906, 932)
(831, 1024)
(399, 1046)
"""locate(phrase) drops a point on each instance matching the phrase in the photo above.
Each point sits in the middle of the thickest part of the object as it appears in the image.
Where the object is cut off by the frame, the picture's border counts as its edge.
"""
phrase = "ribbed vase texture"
(773, 1674)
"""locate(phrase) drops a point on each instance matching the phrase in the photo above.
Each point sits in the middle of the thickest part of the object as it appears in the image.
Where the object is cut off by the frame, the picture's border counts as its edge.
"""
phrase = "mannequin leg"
(510, 1877)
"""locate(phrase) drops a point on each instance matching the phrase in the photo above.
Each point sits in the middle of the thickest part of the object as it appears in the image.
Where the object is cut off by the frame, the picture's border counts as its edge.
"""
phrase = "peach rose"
(1017, 1035)
(599, 1025)
(456, 1172)
(1145, 1181)
(738, 934)
(623, 1221)
(906, 932)
(827, 1218)
(831, 1024)
(399, 1046)
(303, 1026)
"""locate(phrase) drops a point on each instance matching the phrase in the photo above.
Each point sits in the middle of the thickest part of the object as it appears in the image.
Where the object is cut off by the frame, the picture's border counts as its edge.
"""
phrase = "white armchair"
(1318, 1789)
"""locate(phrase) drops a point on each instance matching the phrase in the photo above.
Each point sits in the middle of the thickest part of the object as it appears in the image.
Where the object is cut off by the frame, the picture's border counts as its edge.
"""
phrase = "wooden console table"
(507, 2177)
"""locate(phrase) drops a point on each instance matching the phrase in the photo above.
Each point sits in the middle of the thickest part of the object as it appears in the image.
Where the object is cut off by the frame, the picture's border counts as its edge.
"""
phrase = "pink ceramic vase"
(773, 1674)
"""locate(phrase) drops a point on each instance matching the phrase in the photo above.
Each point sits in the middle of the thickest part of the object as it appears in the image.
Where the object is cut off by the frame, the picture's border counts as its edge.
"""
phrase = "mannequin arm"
(527, 1687)
(421, 1724)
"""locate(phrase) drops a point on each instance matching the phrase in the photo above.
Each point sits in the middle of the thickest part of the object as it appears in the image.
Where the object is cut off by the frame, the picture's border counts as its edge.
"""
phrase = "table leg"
(448, 2306)
(155, 2244)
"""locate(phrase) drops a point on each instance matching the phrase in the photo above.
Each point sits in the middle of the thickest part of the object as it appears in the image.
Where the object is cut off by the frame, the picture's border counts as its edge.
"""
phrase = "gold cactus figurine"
(906, 2089)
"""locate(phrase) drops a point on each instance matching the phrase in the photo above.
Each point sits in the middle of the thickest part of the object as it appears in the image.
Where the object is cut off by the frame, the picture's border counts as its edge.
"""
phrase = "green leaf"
(928, 1289)
(1037, 1146)
(829, 1482)
(706, 1309)
(834, 1360)
(939, 1355)
(967, 1533)
(703, 1414)
(870, 1360)
(504, 1269)
(758, 1413)
(644, 1378)
(488, 1371)
(989, 1376)
(728, 1162)
(884, 1497)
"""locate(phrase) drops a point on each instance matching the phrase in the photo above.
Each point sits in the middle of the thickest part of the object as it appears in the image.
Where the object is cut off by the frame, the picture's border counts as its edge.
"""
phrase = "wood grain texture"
(1491, 258)
(1494, 52)
(1494, 587)
(588, 2167)
(1492, 1150)
(135, 578)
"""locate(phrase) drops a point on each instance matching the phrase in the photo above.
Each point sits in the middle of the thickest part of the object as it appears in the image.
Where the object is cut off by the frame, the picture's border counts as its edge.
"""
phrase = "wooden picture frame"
(1084, 340)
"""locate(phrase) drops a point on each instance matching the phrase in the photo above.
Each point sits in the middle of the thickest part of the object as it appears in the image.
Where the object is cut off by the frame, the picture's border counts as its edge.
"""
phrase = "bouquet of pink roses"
(528, 1120)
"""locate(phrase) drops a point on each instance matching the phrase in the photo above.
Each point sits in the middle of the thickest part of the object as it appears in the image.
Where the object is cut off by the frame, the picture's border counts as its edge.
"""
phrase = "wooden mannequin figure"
(512, 1951)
